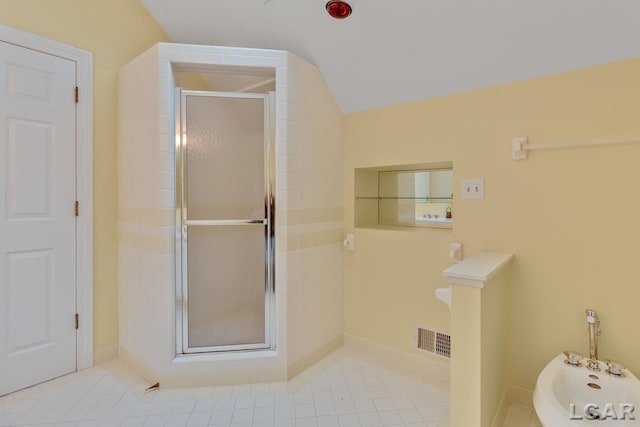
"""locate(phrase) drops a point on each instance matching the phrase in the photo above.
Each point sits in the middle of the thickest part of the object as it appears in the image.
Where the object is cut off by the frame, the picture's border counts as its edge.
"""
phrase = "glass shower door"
(225, 297)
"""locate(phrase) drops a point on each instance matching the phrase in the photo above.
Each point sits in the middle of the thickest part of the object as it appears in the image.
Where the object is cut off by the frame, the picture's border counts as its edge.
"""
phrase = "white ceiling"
(395, 51)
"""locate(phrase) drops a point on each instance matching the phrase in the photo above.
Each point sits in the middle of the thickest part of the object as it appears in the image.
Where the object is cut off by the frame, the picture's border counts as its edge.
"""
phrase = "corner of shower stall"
(295, 224)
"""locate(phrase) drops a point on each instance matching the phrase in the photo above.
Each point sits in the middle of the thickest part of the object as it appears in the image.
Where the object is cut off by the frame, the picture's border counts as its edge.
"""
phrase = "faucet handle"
(573, 358)
(614, 368)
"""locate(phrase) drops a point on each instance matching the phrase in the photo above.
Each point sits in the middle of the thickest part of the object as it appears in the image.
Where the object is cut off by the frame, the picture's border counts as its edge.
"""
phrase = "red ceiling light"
(338, 9)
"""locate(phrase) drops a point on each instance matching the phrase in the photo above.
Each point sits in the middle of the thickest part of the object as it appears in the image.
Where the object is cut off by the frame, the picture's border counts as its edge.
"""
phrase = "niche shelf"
(412, 195)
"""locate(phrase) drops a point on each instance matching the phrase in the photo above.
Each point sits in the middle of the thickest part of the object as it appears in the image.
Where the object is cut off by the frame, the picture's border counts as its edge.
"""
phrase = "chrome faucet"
(594, 331)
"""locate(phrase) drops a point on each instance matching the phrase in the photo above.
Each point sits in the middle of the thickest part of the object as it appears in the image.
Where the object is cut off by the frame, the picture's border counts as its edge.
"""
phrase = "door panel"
(225, 157)
(28, 148)
(29, 300)
(30, 83)
(226, 285)
(37, 220)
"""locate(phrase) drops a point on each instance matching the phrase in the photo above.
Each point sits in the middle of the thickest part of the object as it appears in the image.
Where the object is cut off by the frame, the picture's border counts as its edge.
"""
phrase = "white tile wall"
(308, 281)
(138, 119)
(314, 137)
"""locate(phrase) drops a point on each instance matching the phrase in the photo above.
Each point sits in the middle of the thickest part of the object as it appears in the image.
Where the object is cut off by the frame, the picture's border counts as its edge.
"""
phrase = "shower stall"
(224, 213)
(230, 215)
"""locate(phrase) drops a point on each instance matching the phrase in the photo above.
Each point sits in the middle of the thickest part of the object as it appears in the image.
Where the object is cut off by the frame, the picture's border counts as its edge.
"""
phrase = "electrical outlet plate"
(455, 251)
(473, 189)
(350, 242)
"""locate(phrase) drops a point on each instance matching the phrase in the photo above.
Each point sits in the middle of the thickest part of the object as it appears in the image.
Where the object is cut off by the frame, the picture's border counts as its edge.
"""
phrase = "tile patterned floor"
(346, 389)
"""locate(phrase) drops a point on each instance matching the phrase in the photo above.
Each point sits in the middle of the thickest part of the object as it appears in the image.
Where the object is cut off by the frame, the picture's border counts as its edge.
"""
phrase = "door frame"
(182, 310)
(84, 178)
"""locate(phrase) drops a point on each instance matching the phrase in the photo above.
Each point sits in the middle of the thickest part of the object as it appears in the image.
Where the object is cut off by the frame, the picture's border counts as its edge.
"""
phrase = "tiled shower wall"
(145, 215)
(310, 183)
(309, 292)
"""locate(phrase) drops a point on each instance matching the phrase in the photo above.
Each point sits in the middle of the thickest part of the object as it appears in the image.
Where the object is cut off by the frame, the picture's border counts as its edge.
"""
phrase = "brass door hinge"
(77, 208)
(77, 94)
(77, 320)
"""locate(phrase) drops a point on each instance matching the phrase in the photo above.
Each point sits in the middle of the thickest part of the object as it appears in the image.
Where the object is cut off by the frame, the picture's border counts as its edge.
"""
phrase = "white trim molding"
(106, 353)
(520, 396)
(84, 177)
(431, 367)
(501, 410)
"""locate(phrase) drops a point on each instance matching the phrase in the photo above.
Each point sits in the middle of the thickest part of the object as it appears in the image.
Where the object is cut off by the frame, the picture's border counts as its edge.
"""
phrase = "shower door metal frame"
(182, 223)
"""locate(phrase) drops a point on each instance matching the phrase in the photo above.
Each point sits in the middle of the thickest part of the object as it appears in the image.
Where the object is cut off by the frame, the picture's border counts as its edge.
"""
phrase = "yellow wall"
(466, 361)
(493, 351)
(572, 216)
(115, 31)
(572, 250)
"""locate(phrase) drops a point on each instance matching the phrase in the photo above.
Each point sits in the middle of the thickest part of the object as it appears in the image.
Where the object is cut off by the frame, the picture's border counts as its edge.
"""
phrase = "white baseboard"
(297, 367)
(142, 369)
(501, 410)
(369, 349)
(520, 396)
(512, 395)
(398, 358)
(105, 353)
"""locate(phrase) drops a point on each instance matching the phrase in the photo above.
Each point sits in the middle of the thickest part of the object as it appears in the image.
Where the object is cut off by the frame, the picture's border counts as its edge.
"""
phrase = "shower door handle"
(263, 221)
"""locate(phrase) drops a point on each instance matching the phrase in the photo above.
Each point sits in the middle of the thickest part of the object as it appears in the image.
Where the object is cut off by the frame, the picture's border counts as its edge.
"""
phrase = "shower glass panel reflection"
(224, 212)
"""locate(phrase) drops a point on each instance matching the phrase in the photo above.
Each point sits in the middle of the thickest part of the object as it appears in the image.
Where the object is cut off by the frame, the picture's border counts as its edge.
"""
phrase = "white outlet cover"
(473, 189)
(350, 242)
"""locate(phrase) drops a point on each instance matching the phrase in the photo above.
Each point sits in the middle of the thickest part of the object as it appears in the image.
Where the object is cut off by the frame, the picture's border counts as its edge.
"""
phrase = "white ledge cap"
(478, 269)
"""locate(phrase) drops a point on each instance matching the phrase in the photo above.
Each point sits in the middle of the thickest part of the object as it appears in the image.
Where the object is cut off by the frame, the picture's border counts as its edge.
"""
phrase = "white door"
(37, 217)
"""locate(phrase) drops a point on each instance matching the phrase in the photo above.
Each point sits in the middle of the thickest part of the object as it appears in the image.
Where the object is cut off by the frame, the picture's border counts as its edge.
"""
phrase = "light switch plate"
(473, 189)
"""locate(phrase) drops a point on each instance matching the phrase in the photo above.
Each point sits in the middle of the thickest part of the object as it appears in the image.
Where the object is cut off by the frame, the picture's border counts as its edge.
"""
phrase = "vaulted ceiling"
(395, 51)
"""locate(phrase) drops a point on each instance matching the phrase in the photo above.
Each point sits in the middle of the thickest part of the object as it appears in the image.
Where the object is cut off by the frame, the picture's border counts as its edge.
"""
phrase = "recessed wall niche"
(413, 195)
